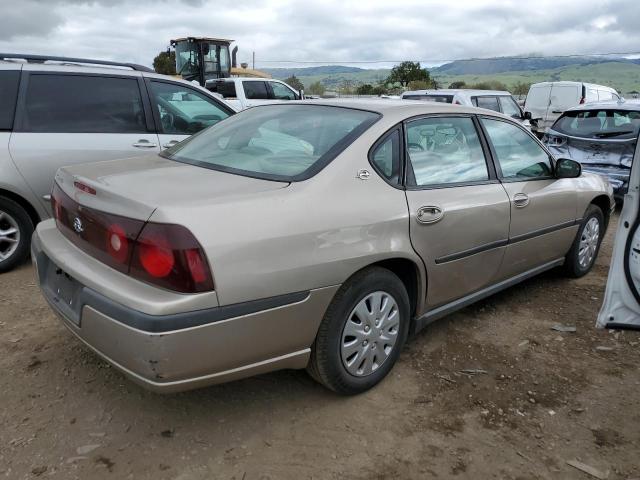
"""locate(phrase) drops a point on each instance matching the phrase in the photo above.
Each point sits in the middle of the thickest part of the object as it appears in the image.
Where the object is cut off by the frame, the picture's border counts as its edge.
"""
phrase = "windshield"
(430, 98)
(187, 58)
(619, 124)
(275, 142)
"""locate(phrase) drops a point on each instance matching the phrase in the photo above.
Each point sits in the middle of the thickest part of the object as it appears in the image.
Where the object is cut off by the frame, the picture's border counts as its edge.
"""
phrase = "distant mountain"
(490, 66)
(283, 73)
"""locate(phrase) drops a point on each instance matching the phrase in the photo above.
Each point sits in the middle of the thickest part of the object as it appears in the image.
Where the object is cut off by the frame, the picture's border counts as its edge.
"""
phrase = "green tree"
(419, 85)
(165, 63)
(365, 89)
(316, 88)
(520, 88)
(407, 72)
(490, 85)
(294, 82)
(458, 84)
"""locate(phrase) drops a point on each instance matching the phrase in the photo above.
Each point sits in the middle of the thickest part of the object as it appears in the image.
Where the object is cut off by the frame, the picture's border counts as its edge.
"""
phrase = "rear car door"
(621, 305)
(459, 212)
(543, 208)
(181, 111)
(65, 118)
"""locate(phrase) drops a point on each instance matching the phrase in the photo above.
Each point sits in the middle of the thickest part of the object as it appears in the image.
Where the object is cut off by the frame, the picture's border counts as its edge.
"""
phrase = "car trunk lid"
(135, 187)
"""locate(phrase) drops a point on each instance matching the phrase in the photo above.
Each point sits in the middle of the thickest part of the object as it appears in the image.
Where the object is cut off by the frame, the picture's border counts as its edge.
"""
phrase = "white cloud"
(331, 31)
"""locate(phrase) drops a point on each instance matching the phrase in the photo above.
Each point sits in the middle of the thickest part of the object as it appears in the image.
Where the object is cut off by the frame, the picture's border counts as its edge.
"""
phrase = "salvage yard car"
(312, 235)
(57, 111)
(546, 101)
(245, 92)
(602, 137)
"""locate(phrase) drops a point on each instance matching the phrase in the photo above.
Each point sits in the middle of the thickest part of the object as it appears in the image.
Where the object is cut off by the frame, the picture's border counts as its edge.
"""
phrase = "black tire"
(326, 365)
(572, 266)
(14, 214)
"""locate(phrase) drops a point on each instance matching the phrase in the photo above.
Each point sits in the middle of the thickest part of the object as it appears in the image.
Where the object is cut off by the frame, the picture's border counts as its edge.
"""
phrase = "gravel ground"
(531, 400)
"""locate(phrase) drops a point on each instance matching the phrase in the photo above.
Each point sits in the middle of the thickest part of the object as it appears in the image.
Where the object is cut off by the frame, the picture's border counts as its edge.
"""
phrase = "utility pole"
(253, 55)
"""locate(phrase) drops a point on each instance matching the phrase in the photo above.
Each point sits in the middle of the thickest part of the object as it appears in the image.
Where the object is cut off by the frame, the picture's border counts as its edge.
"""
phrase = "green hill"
(622, 75)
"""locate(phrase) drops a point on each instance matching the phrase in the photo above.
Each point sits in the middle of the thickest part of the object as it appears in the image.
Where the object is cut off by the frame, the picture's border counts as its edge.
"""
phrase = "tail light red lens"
(165, 255)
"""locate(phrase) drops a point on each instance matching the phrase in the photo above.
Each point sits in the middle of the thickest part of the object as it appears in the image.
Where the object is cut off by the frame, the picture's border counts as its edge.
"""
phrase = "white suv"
(57, 111)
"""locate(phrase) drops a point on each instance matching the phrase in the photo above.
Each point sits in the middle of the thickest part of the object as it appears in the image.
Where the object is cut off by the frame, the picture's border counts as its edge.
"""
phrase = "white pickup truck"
(244, 92)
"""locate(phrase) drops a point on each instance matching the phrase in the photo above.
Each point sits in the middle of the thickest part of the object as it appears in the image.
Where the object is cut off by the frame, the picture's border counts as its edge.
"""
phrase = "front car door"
(459, 212)
(65, 118)
(181, 111)
(543, 208)
(621, 305)
(280, 91)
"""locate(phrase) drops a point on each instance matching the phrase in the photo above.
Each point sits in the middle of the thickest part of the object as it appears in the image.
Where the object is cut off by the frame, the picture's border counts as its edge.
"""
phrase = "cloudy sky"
(322, 31)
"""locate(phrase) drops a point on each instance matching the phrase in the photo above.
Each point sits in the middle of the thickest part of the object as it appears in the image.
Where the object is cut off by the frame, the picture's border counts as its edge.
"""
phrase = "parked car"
(310, 235)
(496, 100)
(621, 305)
(70, 110)
(602, 137)
(546, 101)
(245, 92)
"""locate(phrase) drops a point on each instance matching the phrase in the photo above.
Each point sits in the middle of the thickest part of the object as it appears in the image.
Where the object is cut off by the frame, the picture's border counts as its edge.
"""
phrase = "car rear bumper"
(184, 350)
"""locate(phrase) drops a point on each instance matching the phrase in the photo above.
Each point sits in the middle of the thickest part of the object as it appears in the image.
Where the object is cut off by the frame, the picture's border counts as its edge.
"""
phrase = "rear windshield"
(619, 124)
(275, 142)
(430, 98)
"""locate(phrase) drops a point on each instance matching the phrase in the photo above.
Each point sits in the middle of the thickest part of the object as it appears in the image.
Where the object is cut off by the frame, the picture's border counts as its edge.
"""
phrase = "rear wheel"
(586, 245)
(16, 229)
(362, 333)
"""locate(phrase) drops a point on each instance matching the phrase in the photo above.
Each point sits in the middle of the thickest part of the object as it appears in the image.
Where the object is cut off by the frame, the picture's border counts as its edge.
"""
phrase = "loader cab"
(202, 59)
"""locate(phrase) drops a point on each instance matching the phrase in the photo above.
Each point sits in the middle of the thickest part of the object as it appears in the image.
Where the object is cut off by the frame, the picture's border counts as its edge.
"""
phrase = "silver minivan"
(546, 101)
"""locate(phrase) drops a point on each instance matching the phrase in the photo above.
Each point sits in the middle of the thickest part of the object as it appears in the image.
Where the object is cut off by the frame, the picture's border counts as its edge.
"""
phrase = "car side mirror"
(526, 116)
(567, 168)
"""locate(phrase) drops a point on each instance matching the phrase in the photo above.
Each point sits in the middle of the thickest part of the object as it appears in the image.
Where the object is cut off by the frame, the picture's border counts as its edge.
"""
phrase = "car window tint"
(274, 141)
(255, 90)
(83, 104)
(386, 157)
(445, 150)
(618, 124)
(510, 107)
(430, 98)
(9, 80)
(490, 103)
(518, 154)
(183, 110)
(281, 92)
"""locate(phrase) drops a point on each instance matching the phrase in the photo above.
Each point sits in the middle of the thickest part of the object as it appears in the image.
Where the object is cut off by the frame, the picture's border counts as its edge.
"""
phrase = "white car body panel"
(621, 307)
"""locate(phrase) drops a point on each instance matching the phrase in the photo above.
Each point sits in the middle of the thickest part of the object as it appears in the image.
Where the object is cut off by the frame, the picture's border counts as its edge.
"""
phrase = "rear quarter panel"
(311, 234)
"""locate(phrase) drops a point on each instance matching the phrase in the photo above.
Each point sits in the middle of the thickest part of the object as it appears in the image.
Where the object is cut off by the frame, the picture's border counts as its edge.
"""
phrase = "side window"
(183, 110)
(490, 103)
(386, 157)
(445, 151)
(280, 92)
(83, 104)
(255, 90)
(510, 107)
(519, 155)
(9, 80)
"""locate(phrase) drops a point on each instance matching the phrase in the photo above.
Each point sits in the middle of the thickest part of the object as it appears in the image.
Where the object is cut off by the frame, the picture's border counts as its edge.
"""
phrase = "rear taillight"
(582, 100)
(165, 255)
(169, 256)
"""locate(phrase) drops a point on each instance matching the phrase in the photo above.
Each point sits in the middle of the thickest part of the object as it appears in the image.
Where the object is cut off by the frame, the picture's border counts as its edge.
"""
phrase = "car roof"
(401, 108)
(608, 105)
(569, 82)
(454, 91)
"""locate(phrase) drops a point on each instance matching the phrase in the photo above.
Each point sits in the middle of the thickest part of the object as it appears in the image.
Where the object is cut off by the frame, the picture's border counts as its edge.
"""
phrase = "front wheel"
(586, 245)
(362, 333)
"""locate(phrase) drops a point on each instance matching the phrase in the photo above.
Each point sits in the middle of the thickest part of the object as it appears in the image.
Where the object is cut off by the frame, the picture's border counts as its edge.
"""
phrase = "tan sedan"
(307, 235)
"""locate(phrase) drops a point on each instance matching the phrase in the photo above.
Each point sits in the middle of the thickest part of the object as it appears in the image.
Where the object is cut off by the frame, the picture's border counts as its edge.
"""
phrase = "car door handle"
(170, 143)
(142, 143)
(429, 214)
(520, 200)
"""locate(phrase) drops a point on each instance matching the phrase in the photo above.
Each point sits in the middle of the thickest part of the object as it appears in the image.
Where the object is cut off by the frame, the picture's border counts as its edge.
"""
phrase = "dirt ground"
(537, 399)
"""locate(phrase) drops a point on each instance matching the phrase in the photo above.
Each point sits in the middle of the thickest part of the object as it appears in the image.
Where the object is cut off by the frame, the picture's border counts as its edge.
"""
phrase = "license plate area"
(64, 292)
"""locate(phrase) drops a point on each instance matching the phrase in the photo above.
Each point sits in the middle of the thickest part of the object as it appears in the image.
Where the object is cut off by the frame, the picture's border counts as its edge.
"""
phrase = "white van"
(546, 101)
